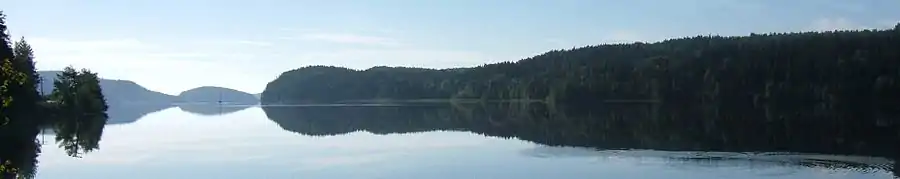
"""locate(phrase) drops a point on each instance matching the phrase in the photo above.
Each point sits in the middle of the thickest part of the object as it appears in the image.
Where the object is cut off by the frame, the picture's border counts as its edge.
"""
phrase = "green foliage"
(24, 61)
(23, 87)
(12, 128)
(336, 84)
(79, 121)
(10, 77)
(77, 113)
(81, 111)
(787, 71)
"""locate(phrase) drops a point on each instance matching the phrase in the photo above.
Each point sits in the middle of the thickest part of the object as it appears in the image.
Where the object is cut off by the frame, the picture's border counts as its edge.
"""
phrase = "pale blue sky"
(174, 45)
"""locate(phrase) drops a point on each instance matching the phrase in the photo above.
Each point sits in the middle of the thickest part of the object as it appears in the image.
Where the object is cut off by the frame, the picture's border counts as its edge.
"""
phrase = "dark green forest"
(75, 110)
(785, 71)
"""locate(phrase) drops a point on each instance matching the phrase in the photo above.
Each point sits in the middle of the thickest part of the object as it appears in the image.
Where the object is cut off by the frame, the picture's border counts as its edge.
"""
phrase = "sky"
(175, 45)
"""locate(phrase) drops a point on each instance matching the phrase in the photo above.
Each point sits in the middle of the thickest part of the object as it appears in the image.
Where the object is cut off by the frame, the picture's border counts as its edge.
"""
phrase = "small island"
(216, 95)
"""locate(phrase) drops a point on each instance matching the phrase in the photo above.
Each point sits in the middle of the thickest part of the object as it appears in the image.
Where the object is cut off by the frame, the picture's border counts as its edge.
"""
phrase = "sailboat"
(220, 101)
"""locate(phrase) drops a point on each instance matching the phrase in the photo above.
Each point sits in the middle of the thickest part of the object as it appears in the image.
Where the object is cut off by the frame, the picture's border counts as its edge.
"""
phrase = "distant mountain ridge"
(125, 92)
(117, 92)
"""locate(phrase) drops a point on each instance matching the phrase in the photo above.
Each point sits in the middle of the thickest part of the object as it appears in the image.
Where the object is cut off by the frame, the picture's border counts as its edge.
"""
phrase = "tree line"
(76, 109)
(788, 71)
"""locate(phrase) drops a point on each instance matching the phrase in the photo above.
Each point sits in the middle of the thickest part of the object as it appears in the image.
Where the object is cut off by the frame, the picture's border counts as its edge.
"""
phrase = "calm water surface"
(252, 143)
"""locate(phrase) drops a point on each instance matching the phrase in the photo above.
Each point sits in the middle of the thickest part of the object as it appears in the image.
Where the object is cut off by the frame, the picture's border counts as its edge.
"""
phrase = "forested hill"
(211, 94)
(810, 68)
(331, 84)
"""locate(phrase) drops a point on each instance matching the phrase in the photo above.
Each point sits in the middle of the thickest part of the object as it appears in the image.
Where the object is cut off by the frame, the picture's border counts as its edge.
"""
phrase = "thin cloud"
(254, 43)
(180, 55)
(888, 23)
(350, 39)
(291, 29)
(362, 59)
(830, 24)
(848, 6)
(625, 37)
(556, 42)
(227, 43)
(134, 59)
(89, 45)
(741, 5)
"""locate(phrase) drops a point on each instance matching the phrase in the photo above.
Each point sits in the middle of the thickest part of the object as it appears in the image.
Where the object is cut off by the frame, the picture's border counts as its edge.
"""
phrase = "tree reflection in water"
(626, 126)
(76, 134)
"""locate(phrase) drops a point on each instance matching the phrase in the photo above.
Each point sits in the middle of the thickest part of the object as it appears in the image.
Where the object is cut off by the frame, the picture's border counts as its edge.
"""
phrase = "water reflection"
(128, 113)
(76, 134)
(212, 109)
(786, 138)
(509, 140)
(724, 159)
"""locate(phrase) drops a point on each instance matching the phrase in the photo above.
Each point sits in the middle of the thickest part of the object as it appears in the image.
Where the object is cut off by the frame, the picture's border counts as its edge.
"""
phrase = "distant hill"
(124, 92)
(115, 91)
(211, 94)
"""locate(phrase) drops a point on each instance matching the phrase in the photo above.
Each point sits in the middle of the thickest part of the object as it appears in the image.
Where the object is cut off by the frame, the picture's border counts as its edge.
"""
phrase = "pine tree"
(24, 60)
(90, 93)
(64, 89)
(7, 73)
(82, 109)
(10, 128)
(6, 52)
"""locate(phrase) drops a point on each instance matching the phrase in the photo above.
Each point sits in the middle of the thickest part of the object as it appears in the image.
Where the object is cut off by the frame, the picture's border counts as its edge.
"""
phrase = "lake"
(466, 141)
